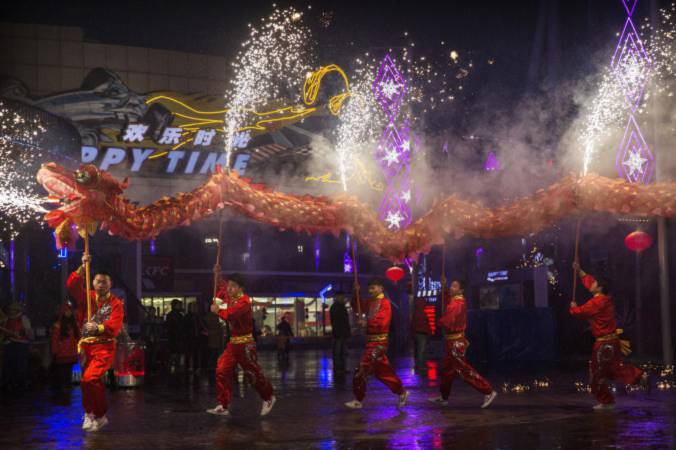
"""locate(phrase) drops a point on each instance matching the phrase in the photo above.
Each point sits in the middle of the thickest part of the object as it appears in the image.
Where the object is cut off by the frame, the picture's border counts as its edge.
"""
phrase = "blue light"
(63, 253)
(323, 292)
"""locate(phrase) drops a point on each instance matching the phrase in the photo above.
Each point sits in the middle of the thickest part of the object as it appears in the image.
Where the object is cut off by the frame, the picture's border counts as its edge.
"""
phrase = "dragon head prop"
(84, 197)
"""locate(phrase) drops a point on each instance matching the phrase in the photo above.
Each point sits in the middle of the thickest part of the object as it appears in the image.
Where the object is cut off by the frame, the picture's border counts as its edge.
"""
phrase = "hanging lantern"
(638, 241)
(394, 273)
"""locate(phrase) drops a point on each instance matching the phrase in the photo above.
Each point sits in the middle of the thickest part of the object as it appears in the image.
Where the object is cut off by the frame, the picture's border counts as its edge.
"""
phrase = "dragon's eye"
(83, 177)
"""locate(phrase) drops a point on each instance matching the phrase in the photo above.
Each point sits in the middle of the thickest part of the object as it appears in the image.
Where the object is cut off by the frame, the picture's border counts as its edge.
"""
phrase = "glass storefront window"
(163, 304)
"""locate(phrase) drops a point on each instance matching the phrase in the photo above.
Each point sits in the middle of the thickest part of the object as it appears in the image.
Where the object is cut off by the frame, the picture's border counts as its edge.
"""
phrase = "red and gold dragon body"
(90, 195)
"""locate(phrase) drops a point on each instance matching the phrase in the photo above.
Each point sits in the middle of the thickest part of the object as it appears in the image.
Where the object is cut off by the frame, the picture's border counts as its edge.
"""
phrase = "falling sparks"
(269, 68)
(604, 114)
(18, 201)
(360, 121)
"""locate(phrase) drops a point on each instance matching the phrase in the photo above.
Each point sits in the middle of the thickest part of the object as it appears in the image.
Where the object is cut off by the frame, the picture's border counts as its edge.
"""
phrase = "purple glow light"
(629, 5)
(634, 162)
(153, 249)
(630, 56)
(479, 251)
(317, 252)
(492, 163)
(393, 153)
(11, 265)
(347, 262)
(389, 87)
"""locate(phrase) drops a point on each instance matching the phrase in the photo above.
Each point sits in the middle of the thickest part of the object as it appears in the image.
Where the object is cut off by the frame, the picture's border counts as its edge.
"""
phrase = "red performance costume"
(240, 350)
(606, 361)
(454, 322)
(98, 351)
(374, 360)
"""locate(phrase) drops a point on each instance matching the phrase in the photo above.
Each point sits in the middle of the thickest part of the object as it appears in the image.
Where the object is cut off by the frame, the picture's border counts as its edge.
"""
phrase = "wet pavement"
(309, 414)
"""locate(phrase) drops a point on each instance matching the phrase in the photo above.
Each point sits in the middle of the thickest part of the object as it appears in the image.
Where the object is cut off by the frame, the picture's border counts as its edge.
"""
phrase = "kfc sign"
(158, 273)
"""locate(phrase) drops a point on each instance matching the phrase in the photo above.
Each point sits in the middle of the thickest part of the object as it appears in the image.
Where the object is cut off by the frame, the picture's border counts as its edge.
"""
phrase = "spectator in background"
(17, 336)
(194, 327)
(64, 338)
(150, 330)
(284, 335)
(421, 331)
(340, 330)
(175, 334)
(216, 343)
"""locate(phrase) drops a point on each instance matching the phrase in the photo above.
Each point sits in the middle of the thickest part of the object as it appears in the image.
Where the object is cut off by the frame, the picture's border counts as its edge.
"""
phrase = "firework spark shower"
(270, 67)
(19, 202)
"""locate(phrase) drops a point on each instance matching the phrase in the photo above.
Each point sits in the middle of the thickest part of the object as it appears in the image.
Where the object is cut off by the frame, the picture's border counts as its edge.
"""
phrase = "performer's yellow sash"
(376, 337)
(625, 345)
(247, 338)
(93, 340)
(454, 336)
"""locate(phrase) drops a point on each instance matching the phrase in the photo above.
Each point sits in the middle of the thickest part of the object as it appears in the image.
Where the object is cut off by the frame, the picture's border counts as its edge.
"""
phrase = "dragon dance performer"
(98, 340)
(234, 306)
(454, 322)
(606, 362)
(374, 360)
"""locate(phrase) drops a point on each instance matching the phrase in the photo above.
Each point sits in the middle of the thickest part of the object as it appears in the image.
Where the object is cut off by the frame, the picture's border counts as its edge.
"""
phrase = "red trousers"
(374, 361)
(245, 356)
(606, 364)
(455, 364)
(96, 361)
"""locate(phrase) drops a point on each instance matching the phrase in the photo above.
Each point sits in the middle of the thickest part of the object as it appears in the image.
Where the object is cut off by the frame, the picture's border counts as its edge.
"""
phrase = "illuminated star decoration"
(393, 219)
(390, 88)
(393, 153)
(631, 66)
(391, 156)
(634, 161)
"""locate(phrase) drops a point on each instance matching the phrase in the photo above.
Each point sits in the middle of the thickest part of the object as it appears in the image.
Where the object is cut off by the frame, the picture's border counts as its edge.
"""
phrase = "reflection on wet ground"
(169, 413)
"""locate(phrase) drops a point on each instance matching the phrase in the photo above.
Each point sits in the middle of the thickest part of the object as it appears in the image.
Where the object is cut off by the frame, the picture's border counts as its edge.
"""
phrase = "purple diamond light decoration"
(389, 87)
(631, 64)
(629, 5)
(634, 161)
(394, 150)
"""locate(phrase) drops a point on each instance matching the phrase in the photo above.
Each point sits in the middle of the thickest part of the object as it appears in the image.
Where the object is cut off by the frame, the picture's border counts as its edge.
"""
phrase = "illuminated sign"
(122, 129)
(186, 162)
(500, 275)
(428, 287)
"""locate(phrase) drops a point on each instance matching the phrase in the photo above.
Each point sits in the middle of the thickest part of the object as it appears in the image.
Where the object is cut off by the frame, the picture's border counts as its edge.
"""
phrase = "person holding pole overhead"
(100, 315)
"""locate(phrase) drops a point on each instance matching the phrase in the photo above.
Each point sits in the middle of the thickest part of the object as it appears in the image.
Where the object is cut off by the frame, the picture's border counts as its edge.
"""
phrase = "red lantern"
(638, 241)
(394, 273)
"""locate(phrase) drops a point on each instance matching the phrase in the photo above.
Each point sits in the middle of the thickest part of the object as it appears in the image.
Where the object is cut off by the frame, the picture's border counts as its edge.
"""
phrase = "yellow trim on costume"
(376, 337)
(455, 336)
(625, 345)
(247, 338)
(101, 328)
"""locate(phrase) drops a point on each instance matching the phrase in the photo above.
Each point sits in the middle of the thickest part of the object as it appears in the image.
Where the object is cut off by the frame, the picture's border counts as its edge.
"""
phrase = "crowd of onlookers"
(186, 342)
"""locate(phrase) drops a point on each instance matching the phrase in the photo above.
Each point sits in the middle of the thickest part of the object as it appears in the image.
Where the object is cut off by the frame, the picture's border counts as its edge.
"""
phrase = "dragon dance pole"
(88, 275)
(356, 279)
(217, 266)
(575, 258)
(443, 277)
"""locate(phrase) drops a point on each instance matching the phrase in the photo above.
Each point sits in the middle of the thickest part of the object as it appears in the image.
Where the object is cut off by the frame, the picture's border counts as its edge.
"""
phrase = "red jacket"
(420, 322)
(238, 314)
(454, 319)
(64, 349)
(599, 311)
(108, 312)
(378, 314)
